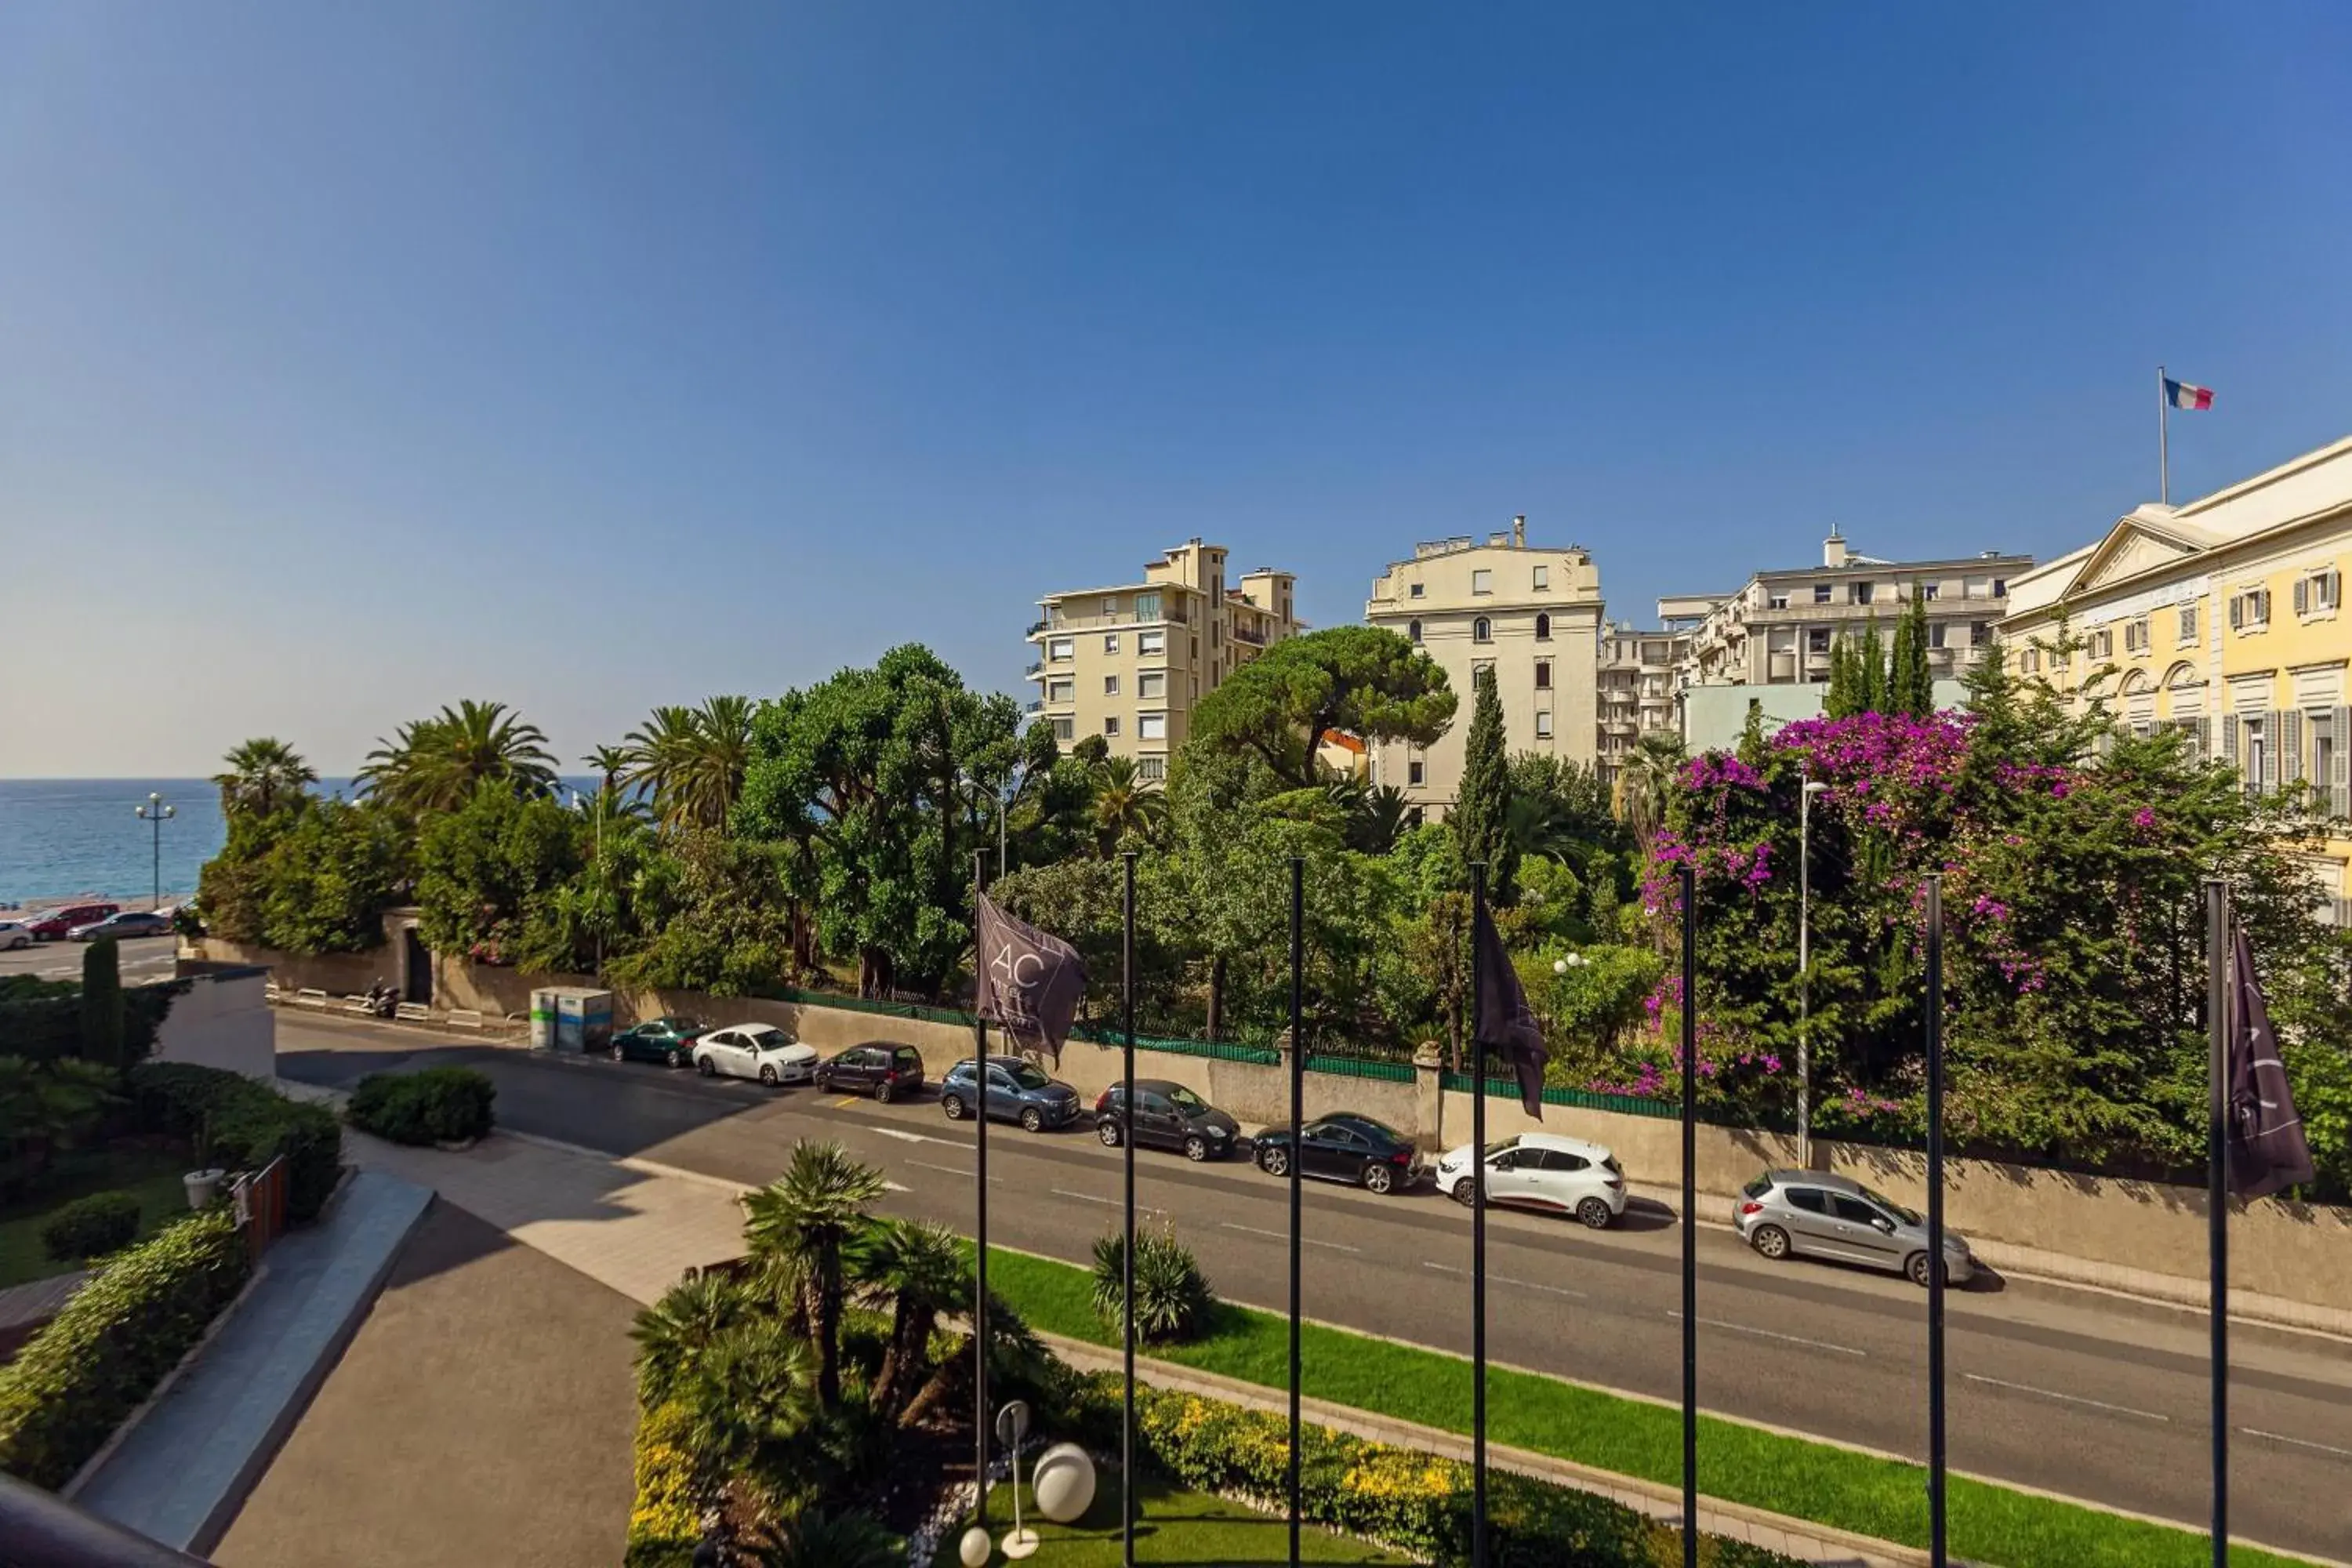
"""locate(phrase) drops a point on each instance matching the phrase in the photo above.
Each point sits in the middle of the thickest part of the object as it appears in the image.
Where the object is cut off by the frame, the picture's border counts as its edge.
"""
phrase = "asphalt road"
(2077, 1392)
(144, 958)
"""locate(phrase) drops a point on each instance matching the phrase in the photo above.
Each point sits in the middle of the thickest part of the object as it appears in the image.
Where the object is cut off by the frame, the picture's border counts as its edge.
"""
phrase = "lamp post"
(1805, 969)
(156, 813)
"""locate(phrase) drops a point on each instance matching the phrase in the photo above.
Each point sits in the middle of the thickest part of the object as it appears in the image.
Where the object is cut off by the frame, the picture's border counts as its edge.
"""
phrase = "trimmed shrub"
(102, 1002)
(73, 1385)
(91, 1227)
(665, 1521)
(242, 1124)
(1172, 1299)
(438, 1105)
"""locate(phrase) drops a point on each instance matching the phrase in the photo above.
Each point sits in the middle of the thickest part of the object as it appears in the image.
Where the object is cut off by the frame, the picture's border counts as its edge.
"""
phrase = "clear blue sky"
(353, 359)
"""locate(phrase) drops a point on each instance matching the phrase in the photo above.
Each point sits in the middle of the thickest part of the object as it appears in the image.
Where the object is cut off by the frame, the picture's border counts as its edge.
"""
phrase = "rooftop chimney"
(1834, 548)
(1519, 531)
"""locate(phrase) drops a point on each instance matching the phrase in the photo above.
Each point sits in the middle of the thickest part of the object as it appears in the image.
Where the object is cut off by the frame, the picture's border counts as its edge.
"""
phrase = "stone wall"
(336, 973)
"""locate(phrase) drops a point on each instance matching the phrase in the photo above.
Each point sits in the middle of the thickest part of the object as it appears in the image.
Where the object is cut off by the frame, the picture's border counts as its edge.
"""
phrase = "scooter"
(383, 1000)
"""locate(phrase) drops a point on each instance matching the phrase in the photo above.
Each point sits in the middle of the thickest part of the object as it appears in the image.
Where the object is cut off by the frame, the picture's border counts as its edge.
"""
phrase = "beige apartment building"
(1531, 613)
(1639, 677)
(1127, 662)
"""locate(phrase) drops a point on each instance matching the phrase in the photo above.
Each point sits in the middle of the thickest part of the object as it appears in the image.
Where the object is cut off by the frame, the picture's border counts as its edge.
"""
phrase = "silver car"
(1783, 1212)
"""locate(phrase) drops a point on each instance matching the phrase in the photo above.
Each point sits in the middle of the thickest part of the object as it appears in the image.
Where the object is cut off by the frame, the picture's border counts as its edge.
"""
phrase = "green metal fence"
(1577, 1099)
(1360, 1067)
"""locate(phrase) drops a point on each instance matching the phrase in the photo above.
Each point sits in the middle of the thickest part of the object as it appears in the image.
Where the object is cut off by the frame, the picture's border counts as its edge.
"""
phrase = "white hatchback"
(14, 933)
(1543, 1170)
(759, 1051)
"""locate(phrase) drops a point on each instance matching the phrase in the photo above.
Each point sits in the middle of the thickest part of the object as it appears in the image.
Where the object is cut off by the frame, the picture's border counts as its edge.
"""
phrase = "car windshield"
(1026, 1076)
(1366, 1124)
(1186, 1100)
(767, 1039)
(1891, 1206)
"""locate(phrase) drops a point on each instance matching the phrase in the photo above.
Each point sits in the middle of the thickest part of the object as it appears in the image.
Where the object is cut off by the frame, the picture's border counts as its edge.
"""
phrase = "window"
(1151, 726)
(2317, 593)
(1061, 690)
(2103, 643)
(1927, 591)
(1543, 628)
(1151, 644)
(1481, 630)
(1543, 726)
(1935, 630)
(1479, 666)
(1152, 684)
(1061, 650)
(1808, 1199)
(1979, 634)
(2250, 742)
(1151, 769)
(1543, 578)
(2000, 588)
(1110, 642)
(2135, 635)
(1817, 640)
(1822, 593)
(2187, 631)
(1778, 602)
(2250, 611)
(1543, 675)
(1861, 592)
(1856, 1211)
(1412, 774)
(1110, 607)
(2322, 771)
(2029, 662)
(1482, 580)
(1110, 686)
(1216, 633)
(1147, 606)
(1111, 725)
(1065, 729)
(1412, 631)
(1414, 592)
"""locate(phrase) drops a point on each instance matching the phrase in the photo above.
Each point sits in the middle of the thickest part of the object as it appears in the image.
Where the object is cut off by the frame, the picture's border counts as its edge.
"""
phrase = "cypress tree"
(1912, 682)
(1842, 701)
(1870, 672)
(1482, 814)
(101, 1003)
(1751, 734)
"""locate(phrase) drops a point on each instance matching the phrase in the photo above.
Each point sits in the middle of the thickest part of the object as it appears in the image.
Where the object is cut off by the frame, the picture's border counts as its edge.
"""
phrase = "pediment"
(2137, 544)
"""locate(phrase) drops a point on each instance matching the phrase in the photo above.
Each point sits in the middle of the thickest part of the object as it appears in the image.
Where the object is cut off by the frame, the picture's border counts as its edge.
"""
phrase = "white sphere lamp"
(1064, 1483)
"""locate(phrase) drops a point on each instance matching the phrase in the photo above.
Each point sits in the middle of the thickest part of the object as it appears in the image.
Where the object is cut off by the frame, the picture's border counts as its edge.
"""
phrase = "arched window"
(1481, 630)
(1543, 628)
(1413, 630)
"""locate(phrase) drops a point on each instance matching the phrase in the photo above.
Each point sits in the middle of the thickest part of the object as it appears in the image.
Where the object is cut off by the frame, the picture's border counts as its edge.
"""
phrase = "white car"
(14, 934)
(755, 1050)
(1543, 1170)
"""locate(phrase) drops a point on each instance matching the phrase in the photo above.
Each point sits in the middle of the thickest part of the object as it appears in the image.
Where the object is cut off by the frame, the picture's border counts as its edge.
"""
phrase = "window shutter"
(2201, 734)
(2230, 739)
(2237, 611)
(2333, 592)
(2339, 764)
(2303, 596)
(2290, 731)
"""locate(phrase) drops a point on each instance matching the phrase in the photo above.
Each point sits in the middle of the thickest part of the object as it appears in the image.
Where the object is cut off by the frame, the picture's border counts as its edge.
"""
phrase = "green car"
(669, 1041)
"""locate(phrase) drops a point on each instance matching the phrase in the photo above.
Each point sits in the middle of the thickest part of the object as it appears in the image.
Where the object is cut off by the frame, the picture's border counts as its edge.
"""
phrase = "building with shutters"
(2222, 617)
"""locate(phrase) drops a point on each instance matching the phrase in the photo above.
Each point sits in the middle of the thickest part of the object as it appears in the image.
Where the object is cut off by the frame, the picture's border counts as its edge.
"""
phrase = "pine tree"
(101, 1003)
(1482, 814)
(1870, 673)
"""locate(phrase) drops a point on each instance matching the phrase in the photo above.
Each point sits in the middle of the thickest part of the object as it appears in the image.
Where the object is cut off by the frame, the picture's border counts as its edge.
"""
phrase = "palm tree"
(801, 1220)
(47, 1104)
(820, 1540)
(1124, 805)
(694, 760)
(749, 1391)
(610, 762)
(1639, 800)
(435, 764)
(677, 1331)
(918, 1271)
(1379, 820)
(261, 775)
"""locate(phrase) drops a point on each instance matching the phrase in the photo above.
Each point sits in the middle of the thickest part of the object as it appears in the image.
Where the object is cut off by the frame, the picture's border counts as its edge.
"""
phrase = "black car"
(884, 1071)
(669, 1041)
(1168, 1116)
(1344, 1148)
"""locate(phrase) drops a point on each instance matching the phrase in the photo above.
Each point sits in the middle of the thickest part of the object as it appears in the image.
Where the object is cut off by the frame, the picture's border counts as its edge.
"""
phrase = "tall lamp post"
(156, 813)
(1805, 969)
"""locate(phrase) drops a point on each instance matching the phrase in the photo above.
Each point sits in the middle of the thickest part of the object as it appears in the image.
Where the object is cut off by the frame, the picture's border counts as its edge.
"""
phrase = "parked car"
(669, 1041)
(127, 923)
(755, 1050)
(1346, 1147)
(884, 1071)
(16, 934)
(53, 926)
(1168, 1116)
(1541, 1171)
(1786, 1213)
(1018, 1090)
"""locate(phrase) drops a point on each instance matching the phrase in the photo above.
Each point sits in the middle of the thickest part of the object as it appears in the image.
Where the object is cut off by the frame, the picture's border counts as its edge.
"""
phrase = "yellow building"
(2223, 617)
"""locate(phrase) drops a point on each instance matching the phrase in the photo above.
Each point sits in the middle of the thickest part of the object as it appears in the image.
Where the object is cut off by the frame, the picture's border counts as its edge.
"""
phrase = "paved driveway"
(482, 1415)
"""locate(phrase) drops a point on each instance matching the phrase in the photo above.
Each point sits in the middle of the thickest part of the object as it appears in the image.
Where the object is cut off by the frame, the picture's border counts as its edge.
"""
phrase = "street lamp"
(1805, 969)
(155, 811)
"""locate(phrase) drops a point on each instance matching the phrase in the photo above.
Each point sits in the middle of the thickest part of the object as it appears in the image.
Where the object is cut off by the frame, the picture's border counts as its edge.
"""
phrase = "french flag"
(2181, 394)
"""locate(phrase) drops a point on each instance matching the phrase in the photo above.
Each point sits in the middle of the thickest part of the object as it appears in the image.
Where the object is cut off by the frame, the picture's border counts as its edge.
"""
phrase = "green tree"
(101, 1003)
(917, 1271)
(261, 775)
(1481, 816)
(802, 1221)
(611, 765)
(1870, 671)
(328, 878)
(1843, 698)
(693, 761)
(818, 1538)
(1363, 681)
(482, 868)
(1375, 825)
(435, 764)
(1643, 781)
(1911, 683)
(679, 1329)
(710, 913)
(46, 1105)
(1127, 811)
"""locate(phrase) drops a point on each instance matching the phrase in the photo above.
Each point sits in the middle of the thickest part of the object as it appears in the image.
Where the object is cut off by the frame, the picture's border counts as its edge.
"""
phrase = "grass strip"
(1173, 1526)
(1885, 1499)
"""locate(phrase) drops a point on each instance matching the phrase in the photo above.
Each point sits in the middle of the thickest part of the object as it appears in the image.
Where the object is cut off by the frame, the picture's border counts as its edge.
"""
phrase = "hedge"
(665, 1524)
(437, 1105)
(91, 1227)
(1417, 1502)
(42, 1021)
(73, 1385)
(242, 1124)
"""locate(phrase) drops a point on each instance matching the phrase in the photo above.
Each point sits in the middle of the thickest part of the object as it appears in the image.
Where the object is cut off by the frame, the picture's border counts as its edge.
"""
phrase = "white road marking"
(890, 1186)
(1771, 1334)
(1507, 1279)
(905, 1137)
(2297, 1442)
(1108, 1203)
(2069, 1398)
(1285, 1236)
(962, 1172)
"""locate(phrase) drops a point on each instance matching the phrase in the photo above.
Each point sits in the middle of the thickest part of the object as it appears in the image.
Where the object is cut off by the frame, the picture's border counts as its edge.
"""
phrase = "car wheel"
(883, 1093)
(706, 1066)
(677, 1058)
(1107, 1130)
(1916, 1266)
(1379, 1177)
(1032, 1119)
(1466, 1192)
(1594, 1213)
(1274, 1162)
(953, 1105)
(768, 1077)
(1196, 1148)
(618, 1054)
(1770, 1241)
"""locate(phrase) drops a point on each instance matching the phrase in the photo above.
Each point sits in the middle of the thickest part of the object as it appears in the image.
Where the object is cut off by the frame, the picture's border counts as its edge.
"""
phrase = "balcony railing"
(1243, 634)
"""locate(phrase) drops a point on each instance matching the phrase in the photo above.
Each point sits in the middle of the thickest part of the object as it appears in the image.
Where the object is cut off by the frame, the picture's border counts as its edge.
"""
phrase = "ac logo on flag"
(1029, 982)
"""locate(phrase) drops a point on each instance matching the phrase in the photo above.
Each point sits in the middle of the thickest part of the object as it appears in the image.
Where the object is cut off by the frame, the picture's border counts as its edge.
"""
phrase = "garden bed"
(150, 1175)
(1173, 1526)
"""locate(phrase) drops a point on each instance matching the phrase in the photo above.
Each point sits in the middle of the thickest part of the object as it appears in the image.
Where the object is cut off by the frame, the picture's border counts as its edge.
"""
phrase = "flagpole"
(980, 1253)
(1938, 1549)
(1689, 876)
(1127, 1257)
(1297, 1157)
(1477, 1230)
(2163, 441)
(2217, 1192)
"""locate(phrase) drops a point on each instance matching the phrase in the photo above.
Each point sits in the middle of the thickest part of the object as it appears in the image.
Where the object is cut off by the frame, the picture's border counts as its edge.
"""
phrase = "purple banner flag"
(1030, 982)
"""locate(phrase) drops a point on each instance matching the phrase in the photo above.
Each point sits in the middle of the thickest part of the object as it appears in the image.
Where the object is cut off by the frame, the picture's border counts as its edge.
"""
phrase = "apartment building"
(1532, 613)
(1127, 662)
(2225, 617)
(1639, 675)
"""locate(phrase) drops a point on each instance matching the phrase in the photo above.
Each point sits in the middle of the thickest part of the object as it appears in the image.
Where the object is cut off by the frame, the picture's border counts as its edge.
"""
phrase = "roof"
(1857, 564)
(1562, 1143)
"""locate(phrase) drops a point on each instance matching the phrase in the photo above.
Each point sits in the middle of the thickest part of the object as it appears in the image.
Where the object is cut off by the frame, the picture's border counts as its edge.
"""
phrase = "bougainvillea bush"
(2072, 858)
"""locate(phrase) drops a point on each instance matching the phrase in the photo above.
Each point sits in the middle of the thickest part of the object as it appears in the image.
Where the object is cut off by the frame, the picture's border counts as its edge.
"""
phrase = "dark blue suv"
(1017, 1091)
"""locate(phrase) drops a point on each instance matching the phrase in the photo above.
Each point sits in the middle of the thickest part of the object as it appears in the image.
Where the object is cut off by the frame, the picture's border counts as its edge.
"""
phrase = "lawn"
(1881, 1498)
(150, 1176)
(1173, 1526)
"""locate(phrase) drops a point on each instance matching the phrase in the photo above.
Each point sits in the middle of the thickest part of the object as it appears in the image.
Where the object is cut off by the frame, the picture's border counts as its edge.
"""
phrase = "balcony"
(1254, 638)
(1035, 669)
(1036, 707)
(1036, 626)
